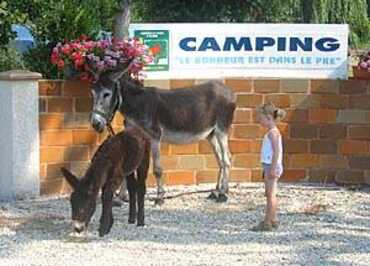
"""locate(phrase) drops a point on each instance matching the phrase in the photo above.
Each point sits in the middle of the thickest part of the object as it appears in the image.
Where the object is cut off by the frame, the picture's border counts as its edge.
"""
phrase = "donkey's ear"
(90, 69)
(121, 70)
(71, 179)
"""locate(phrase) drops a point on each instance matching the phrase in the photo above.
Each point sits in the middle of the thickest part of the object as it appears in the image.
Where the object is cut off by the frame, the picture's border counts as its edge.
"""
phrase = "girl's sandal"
(263, 227)
(275, 224)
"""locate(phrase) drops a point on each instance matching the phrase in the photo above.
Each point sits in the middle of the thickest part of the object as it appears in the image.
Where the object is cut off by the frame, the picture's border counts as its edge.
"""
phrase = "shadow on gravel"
(206, 224)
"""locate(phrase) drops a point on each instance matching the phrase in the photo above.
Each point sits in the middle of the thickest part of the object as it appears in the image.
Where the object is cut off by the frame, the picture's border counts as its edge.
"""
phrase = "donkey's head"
(107, 96)
(83, 202)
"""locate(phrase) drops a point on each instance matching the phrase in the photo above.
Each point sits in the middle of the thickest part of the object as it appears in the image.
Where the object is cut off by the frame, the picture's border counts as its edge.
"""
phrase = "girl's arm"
(274, 137)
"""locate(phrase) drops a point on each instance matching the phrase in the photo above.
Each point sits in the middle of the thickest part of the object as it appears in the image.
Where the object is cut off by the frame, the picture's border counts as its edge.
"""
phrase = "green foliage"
(280, 11)
(8, 16)
(10, 59)
(195, 10)
(37, 59)
(217, 11)
(353, 12)
(54, 21)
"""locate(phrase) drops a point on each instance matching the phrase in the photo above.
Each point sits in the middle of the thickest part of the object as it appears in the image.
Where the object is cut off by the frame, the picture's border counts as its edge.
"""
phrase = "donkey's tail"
(226, 116)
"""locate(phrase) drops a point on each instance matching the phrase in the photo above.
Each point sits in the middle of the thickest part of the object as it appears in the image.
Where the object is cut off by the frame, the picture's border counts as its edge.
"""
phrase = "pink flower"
(107, 58)
(76, 56)
(83, 37)
(91, 57)
(100, 65)
(89, 45)
(54, 58)
(112, 63)
(101, 55)
(363, 65)
(60, 64)
(66, 49)
(79, 63)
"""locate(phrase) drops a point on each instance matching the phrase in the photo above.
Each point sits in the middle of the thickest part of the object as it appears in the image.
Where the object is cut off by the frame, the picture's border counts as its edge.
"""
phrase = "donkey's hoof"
(104, 230)
(221, 198)
(159, 201)
(212, 196)
(131, 221)
(105, 225)
(140, 224)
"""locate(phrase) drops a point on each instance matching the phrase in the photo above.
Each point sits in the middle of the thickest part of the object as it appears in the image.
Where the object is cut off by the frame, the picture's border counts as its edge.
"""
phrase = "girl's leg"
(271, 206)
(270, 222)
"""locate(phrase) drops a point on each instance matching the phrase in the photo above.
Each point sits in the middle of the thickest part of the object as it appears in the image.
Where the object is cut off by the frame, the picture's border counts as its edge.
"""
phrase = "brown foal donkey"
(125, 155)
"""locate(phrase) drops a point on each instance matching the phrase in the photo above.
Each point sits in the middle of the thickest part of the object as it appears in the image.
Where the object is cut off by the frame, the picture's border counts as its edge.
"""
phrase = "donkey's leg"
(157, 168)
(141, 190)
(222, 139)
(106, 219)
(131, 185)
(212, 139)
(142, 174)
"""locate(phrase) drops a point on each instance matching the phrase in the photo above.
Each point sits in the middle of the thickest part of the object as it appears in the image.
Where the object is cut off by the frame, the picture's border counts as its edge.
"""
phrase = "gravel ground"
(319, 226)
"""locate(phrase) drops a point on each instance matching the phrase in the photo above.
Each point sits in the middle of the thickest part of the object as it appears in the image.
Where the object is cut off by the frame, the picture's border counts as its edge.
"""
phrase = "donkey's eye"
(106, 95)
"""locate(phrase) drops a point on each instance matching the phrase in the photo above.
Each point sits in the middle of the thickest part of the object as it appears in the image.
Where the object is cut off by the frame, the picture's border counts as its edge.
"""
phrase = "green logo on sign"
(158, 43)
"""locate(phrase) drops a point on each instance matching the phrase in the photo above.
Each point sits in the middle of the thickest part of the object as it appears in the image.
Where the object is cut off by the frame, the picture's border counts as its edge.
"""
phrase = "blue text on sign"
(307, 44)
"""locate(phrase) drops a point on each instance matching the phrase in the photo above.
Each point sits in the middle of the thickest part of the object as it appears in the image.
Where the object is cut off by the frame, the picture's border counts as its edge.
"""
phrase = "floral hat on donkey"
(84, 58)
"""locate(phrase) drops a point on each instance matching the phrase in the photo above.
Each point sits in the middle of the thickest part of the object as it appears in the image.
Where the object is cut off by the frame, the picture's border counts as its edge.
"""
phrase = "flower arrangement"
(84, 58)
(362, 70)
(364, 62)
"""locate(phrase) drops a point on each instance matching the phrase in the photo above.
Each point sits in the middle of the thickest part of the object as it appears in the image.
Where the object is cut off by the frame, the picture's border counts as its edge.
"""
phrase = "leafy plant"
(53, 21)
(353, 12)
(37, 59)
(8, 16)
(10, 59)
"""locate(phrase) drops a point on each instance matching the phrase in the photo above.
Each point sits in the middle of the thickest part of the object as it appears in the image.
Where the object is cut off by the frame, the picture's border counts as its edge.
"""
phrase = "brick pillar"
(19, 135)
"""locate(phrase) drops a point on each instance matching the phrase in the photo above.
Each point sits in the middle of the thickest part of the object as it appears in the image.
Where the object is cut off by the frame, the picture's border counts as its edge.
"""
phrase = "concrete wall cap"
(19, 75)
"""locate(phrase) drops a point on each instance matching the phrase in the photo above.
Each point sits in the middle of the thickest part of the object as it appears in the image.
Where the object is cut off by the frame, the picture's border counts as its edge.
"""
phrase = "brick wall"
(326, 132)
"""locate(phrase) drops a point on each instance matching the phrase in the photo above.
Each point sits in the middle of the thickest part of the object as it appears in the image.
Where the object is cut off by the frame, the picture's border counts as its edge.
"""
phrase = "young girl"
(272, 162)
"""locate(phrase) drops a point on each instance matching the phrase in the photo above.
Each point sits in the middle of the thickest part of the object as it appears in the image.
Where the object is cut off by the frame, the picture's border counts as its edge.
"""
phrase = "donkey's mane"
(131, 86)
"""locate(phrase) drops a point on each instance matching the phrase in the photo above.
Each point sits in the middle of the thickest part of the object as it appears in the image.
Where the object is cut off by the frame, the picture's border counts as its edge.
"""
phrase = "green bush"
(353, 12)
(10, 59)
(53, 21)
(37, 59)
(9, 16)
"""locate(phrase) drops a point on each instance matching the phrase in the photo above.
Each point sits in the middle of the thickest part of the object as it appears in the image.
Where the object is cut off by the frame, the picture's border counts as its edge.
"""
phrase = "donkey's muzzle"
(97, 122)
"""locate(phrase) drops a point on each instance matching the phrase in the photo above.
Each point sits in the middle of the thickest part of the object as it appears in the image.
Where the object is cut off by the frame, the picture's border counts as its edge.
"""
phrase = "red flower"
(54, 58)
(60, 64)
(85, 76)
(66, 49)
(76, 56)
(83, 37)
(89, 45)
(79, 62)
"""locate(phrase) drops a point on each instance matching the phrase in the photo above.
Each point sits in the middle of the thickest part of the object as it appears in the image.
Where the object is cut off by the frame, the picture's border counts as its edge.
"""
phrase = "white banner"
(200, 50)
